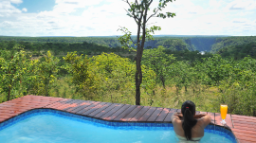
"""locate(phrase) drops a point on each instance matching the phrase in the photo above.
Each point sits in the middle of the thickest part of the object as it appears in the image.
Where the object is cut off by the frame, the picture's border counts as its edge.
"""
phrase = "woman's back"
(187, 125)
(197, 131)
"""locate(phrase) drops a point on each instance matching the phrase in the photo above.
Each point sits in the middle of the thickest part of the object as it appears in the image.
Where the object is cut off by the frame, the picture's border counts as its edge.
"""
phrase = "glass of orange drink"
(223, 112)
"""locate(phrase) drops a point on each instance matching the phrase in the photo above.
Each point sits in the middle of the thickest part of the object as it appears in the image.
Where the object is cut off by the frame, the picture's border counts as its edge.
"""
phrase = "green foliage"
(207, 79)
(160, 62)
(45, 74)
(217, 69)
(82, 78)
(12, 72)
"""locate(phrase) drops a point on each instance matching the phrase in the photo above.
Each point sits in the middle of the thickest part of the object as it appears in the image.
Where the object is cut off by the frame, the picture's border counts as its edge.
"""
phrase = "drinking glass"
(223, 111)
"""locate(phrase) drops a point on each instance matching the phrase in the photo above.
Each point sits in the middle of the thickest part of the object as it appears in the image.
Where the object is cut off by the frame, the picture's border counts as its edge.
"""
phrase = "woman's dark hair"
(188, 110)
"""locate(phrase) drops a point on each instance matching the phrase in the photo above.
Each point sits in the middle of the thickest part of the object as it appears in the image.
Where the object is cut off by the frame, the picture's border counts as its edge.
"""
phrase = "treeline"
(238, 52)
(231, 42)
(208, 43)
(169, 79)
(59, 48)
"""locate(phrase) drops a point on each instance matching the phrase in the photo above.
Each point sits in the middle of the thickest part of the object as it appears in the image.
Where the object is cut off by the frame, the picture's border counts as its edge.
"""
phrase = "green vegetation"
(169, 78)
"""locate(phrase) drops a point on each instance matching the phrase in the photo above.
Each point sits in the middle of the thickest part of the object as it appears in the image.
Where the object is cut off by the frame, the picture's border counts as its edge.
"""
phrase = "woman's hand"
(180, 115)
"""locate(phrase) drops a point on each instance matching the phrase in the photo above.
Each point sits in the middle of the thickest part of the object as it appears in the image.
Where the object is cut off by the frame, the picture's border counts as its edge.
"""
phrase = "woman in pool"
(188, 126)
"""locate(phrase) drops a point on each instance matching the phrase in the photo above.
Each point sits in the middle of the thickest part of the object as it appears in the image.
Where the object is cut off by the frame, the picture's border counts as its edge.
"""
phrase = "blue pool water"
(50, 126)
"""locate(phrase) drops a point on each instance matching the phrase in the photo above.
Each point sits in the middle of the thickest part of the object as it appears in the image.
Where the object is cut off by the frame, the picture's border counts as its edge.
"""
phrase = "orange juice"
(223, 111)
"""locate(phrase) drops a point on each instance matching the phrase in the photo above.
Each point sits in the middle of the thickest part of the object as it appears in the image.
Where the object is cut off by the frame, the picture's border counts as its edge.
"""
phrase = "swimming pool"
(52, 126)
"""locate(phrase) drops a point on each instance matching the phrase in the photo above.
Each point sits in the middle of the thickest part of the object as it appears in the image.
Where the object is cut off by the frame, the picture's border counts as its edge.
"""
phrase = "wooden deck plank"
(162, 115)
(108, 109)
(18, 108)
(33, 100)
(94, 108)
(168, 117)
(243, 128)
(87, 108)
(241, 133)
(218, 119)
(245, 141)
(131, 114)
(244, 137)
(245, 125)
(146, 116)
(153, 117)
(100, 109)
(115, 112)
(244, 131)
(24, 103)
(242, 117)
(72, 103)
(75, 104)
(64, 105)
(61, 103)
(57, 103)
(124, 113)
(9, 115)
(140, 114)
(12, 111)
(243, 122)
(82, 106)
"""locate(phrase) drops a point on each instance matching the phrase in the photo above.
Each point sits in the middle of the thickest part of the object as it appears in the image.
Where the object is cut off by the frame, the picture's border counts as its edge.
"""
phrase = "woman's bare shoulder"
(204, 121)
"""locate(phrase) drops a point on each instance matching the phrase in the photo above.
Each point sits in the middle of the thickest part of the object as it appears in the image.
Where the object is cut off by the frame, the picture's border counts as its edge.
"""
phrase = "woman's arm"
(176, 117)
(205, 120)
(197, 116)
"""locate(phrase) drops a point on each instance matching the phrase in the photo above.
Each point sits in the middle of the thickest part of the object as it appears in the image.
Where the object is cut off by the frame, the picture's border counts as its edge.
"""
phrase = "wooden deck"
(243, 127)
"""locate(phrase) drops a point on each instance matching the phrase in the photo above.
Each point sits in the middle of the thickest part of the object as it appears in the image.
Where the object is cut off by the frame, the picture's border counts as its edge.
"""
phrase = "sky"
(83, 18)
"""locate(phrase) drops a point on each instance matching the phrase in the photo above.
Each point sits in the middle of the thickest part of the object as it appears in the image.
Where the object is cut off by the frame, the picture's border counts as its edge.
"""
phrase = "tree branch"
(131, 8)
(134, 17)
(153, 15)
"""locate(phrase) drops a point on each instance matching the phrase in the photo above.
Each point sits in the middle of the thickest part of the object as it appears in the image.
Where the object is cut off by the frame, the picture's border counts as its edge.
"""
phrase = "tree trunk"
(9, 94)
(138, 75)
(163, 82)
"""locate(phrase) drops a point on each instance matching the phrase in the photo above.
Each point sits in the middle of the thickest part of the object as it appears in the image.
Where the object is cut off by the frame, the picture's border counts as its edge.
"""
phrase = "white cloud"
(15, 1)
(24, 10)
(240, 20)
(242, 5)
(7, 9)
(97, 18)
(68, 6)
(215, 3)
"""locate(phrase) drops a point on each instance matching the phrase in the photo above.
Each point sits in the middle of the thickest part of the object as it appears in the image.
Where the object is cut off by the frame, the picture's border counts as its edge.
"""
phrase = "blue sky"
(35, 6)
(104, 17)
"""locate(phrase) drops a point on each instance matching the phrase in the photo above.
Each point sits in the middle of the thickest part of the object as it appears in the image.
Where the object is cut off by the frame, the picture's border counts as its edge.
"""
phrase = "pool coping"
(115, 112)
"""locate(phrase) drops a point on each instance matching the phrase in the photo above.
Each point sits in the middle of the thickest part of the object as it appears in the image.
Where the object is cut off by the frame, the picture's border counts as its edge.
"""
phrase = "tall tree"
(159, 61)
(139, 12)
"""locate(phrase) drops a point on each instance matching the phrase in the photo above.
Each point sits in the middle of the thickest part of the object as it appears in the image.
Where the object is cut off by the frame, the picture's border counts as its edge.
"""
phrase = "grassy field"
(169, 99)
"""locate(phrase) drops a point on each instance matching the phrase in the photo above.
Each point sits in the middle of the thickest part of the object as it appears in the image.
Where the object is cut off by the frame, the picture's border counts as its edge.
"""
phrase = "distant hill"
(171, 36)
(209, 43)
